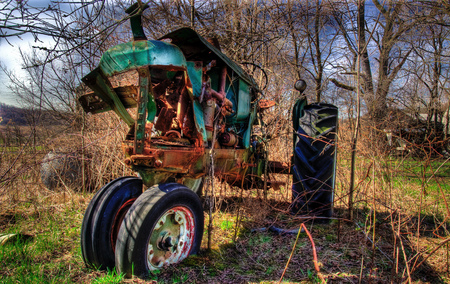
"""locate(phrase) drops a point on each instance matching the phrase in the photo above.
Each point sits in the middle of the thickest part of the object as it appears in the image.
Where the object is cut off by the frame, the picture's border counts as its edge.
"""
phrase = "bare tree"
(393, 21)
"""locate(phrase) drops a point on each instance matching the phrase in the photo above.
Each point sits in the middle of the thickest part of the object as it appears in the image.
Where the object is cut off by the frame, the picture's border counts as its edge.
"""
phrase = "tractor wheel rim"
(172, 238)
(118, 219)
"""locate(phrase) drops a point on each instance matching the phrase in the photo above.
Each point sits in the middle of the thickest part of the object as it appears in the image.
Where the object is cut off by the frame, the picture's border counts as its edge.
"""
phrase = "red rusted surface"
(181, 109)
(165, 118)
(172, 238)
(118, 219)
(172, 159)
(265, 104)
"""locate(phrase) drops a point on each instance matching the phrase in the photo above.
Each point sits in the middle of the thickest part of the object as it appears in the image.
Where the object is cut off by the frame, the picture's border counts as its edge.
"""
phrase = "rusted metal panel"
(173, 159)
(169, 139)
(91, 103)
(99, 83)
(145, 102)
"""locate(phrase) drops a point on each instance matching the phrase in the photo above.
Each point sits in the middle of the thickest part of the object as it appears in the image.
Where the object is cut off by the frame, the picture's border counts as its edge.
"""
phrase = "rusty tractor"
(192, 109)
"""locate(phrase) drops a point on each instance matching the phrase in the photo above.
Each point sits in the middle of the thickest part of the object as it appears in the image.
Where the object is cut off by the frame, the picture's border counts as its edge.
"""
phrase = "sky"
(10, 55)
(11, 59)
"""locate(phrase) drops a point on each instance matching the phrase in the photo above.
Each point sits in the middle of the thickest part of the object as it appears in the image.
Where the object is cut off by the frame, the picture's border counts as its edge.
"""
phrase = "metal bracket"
(141, 116)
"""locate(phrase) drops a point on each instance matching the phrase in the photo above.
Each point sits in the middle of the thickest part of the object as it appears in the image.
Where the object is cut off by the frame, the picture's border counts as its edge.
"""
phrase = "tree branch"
(342, 85)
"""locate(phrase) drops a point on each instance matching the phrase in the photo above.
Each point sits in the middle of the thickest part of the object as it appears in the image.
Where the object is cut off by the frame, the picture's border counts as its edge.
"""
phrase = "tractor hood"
(197, 48)
(135, 54)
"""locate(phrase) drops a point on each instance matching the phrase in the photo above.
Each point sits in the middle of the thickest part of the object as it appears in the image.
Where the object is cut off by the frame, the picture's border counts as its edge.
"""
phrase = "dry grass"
(401, 213)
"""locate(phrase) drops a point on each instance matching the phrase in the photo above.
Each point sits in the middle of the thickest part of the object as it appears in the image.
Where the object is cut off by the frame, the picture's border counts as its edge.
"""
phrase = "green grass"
(15, 149)
(50, 255)
(53, 254)
(24, 262)
(226, 225)
(111, 277)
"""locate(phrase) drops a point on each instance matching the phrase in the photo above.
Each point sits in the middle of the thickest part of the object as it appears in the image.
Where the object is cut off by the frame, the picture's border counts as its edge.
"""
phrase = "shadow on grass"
(344, 250)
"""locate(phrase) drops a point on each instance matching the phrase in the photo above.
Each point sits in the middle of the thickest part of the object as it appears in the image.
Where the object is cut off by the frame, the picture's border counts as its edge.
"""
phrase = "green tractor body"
(186, 93)
(191, 112)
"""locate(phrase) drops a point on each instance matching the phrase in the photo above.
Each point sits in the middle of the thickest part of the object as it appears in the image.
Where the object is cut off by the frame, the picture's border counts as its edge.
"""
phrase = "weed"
(212, 272)
(153, 275)
(20, 265)
(330, 237)
(312, 276)
(182, 278)
(260, 239)
(226, 225)
(408, 197)
(269, 270)
(111, 277)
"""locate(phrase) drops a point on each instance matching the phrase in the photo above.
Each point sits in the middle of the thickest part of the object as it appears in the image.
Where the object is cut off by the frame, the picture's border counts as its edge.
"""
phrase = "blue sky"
(10, 56)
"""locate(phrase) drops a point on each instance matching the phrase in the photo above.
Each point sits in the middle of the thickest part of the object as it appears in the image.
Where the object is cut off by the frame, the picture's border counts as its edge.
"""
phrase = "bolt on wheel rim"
(171, 239)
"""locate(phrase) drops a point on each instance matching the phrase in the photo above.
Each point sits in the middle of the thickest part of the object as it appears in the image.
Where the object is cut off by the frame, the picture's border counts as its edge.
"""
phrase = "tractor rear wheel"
(164, 226)
(103, 218)
(315, 161)
(196, 185)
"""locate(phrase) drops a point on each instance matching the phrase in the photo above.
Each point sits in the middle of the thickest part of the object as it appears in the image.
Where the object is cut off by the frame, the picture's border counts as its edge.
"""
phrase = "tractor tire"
(196, 185)
(315, 161)
(163, 227)
(103, 218)
(86, 225)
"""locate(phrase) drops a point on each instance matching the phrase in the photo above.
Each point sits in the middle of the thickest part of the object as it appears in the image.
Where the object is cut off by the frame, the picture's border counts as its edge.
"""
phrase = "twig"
(290, 257)
(316, 263)
(382, 252)
(403, 250)
(211, 182)
(238, 215)
(430, 254)
(361, 269)
(437, 170)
